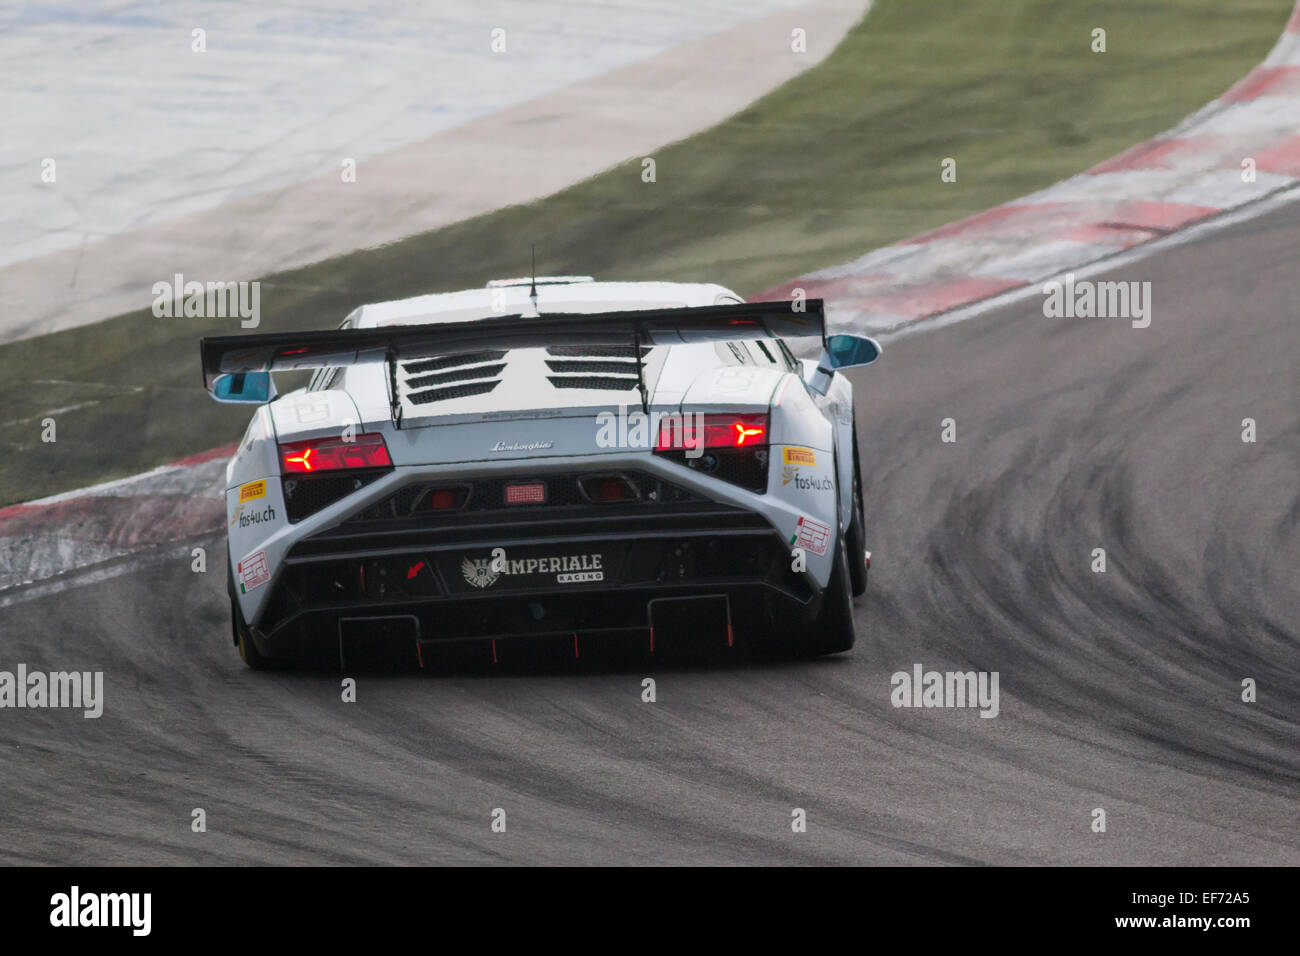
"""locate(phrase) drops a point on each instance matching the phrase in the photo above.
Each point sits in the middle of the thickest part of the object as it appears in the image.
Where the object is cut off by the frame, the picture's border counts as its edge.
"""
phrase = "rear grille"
(442, 572)
(609, 368)
(456, 375)
(415, 501)
(307, 495)
(455, 391)
(429, 380)
(604, 383)
(563, 365)
(745, 467)
(598, 351)
(422, 384)
(420, 366)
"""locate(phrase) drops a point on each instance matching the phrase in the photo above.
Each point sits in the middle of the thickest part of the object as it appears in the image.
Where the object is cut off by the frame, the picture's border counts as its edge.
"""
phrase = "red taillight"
(331, 454)
(717, 431)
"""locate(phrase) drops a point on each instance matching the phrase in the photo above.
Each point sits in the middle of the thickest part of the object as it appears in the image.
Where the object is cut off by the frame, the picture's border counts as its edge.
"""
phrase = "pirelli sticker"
(254, 489)
(794, 455)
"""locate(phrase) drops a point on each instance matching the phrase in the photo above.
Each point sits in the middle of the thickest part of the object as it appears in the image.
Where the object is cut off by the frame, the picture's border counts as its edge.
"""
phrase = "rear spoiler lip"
(277, 351)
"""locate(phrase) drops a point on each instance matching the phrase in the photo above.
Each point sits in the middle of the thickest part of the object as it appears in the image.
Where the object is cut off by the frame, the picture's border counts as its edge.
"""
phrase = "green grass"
(840, 160)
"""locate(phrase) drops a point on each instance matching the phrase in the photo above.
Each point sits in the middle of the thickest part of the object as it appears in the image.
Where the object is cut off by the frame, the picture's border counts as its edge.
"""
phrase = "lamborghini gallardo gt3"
(545, 458)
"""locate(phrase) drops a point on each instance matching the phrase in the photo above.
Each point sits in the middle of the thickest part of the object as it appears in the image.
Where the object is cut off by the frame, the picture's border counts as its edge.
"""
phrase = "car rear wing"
(284, 351)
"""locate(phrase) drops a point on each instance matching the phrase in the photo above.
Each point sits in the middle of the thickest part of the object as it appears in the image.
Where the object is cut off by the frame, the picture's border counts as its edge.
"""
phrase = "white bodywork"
(529, 420)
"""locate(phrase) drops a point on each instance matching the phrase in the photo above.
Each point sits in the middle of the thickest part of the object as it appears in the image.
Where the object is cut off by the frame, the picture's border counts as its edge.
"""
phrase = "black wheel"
(857, 532)
(832, 632)
(248, 651)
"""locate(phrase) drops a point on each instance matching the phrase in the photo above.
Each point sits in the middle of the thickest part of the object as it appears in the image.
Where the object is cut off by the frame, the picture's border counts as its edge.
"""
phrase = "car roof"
(554, 294)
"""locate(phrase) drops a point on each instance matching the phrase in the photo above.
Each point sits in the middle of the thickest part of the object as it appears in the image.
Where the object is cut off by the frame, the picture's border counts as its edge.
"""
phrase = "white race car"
(551, 457)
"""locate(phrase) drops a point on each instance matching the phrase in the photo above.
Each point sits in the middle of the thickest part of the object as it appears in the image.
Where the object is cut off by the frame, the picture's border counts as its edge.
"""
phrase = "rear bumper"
(501, 576)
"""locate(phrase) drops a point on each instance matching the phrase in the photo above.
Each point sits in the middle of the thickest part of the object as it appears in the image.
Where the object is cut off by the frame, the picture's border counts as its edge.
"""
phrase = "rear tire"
(857, 533)
(832, 632)
(248, 651)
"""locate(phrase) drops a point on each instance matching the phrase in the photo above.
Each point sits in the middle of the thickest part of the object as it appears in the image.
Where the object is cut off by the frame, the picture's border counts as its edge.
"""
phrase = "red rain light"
(526, 494)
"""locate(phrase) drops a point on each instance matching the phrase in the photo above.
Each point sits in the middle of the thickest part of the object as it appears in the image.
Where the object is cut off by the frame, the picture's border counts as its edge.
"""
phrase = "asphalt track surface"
(1119, 690)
